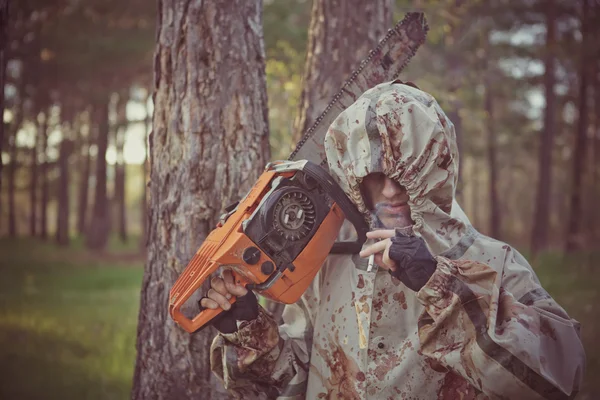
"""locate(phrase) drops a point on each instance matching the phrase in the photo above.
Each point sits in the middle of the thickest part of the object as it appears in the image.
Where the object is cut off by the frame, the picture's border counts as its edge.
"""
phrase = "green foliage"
(67, 323)
(285, 30)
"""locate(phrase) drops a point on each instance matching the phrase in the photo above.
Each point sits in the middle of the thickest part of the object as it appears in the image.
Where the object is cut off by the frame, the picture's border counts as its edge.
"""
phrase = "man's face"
(387, 199)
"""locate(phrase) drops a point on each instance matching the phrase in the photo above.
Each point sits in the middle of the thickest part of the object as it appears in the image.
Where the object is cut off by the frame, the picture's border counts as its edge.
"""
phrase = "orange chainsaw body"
(280, 279)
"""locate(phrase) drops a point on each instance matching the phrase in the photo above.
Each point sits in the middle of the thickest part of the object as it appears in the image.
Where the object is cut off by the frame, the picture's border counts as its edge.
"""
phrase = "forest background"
(520, 80)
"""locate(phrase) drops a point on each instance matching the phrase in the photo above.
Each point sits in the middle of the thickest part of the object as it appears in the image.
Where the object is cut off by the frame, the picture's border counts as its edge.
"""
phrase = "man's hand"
(222, 289)
(381, 249)
(405, 257)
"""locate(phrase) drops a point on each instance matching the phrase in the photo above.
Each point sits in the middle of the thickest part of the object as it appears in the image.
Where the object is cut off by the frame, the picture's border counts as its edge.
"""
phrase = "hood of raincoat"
(401, 131)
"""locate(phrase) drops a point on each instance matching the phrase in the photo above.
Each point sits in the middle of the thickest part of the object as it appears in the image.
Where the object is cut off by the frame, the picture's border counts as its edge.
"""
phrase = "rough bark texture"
(574, 239)
(97, 232)
(341, 34)
(208, 145)
(539, 237)
(62, 219)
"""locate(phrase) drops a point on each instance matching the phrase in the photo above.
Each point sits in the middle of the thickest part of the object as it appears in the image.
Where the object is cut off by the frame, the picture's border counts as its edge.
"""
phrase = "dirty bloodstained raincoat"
(481, 327)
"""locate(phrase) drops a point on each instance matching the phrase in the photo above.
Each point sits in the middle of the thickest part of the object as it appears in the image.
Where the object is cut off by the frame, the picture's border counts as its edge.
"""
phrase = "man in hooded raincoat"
(445, 312)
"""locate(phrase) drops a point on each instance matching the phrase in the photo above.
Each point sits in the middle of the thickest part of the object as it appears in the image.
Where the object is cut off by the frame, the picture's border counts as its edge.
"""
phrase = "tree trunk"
(494, 216)
(33, 186)
(99, 227)
(12, 167)
(539, 239)
(145, 165)
(3, 58)
(574, 240)
(44, 178)
(595, 221)
(120, 166)
(84, 178)
(494, 211)
(340, 36)
(208, 145)
(62, 220)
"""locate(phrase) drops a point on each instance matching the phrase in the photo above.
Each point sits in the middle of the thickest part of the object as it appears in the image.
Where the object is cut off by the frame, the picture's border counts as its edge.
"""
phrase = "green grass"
(68, 317)
(67, 322)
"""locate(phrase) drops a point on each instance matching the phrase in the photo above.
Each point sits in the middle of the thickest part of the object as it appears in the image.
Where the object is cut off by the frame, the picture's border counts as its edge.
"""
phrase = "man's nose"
(390, 188)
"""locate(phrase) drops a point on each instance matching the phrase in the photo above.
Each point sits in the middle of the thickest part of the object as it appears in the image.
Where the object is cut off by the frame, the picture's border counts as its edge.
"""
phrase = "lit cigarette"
(371, 261)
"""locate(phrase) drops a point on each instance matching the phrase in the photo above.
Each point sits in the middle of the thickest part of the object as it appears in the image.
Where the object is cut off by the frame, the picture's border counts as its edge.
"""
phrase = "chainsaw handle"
(205, 315)
(200, 320)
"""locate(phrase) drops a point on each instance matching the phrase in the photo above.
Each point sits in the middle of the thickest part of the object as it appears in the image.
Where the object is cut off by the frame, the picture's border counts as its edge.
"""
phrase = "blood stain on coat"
(401, 298)
(361, 282)
(344, 370)
(456, 387)
(385, 365)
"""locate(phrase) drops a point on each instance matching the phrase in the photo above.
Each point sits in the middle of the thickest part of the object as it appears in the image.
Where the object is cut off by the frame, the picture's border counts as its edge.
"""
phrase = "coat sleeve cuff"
(255, 333)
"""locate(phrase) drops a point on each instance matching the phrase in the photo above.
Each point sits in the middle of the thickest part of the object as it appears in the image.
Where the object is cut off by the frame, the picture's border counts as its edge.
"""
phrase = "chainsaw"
(278, 236)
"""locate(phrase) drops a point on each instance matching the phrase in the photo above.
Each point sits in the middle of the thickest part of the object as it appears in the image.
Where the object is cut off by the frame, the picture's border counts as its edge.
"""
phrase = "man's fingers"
(378, 258)
(232, 288)
(217, 284)
(228, 276)
(374, 248)
(219, 298)
(381, 234)
(389, 263)
(208, 303)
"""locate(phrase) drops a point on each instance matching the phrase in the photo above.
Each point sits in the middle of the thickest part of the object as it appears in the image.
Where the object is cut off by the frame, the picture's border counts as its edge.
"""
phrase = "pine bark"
(575, 240)
(99, 227)
(208, 145)
(539, 239)
(342, 32)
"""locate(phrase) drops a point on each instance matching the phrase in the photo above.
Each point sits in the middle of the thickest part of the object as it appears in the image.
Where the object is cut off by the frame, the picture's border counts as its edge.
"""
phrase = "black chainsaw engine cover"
(288, 218)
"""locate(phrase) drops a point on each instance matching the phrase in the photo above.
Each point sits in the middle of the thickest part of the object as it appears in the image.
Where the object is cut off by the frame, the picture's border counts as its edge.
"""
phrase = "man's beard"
(384, 219)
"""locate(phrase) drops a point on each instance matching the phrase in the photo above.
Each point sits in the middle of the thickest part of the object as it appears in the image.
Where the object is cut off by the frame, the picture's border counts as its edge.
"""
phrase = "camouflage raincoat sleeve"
(264, 361)
(499, 329)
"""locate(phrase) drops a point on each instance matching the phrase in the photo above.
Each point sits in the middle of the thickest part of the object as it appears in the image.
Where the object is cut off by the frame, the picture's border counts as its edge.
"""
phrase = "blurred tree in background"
(520, 80)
